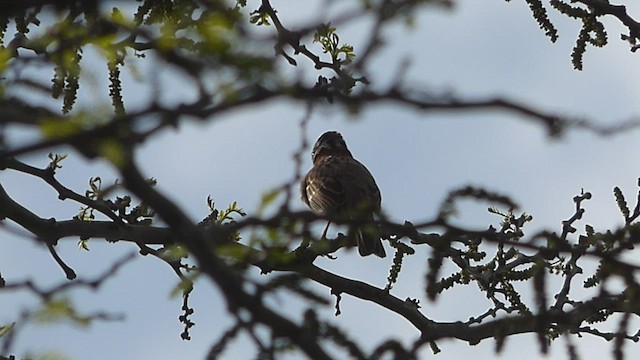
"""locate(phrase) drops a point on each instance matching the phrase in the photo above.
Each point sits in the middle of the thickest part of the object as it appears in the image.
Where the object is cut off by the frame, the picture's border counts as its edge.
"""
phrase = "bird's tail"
(368, 240)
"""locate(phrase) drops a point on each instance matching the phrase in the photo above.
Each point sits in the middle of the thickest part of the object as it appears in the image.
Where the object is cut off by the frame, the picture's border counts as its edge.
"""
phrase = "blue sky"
(476, 51)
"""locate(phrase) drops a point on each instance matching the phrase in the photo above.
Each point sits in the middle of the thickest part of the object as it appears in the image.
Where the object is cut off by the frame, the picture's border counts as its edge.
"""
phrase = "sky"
(476, 51)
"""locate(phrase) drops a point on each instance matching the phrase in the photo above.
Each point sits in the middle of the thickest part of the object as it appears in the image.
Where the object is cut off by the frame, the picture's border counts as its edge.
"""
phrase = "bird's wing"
(361, 188)
(324, 193)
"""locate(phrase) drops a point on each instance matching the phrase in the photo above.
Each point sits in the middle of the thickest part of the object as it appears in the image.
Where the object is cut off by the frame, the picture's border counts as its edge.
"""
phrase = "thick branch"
(196, 240)
(63, 192)
(618, 11)
(53, 230)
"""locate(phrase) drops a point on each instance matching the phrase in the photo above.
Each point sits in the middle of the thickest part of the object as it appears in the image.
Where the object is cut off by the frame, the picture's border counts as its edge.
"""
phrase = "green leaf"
(184, 286)
(5, 56)
(174, 253)
(56, 128)
(56, 159)
(5, 329)
(60, 310)
(113, 151)
(83, 245)
(268, 198)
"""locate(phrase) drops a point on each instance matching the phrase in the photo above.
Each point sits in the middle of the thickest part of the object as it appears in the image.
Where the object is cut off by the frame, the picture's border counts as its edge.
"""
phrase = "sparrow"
(340, 186)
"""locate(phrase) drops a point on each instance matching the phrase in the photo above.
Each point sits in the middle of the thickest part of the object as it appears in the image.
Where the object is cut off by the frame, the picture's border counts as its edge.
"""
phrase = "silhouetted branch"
(472, 331)
(493, 259)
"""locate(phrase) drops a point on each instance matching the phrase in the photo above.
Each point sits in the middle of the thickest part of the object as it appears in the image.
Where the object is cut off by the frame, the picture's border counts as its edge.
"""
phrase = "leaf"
(113, 151)
(184, 286)
(56, 159)
(56, 128)
(267, 199)
(174, 253)
(59, 310)
(5, 329)
(83, 245)
(5, 56)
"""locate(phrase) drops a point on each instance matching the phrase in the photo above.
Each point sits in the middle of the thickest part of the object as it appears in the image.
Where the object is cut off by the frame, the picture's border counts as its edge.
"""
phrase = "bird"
(339, 186)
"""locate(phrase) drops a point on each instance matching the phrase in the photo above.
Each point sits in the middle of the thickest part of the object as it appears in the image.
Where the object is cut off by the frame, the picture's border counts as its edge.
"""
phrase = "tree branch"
(429, 329)
(617, 11)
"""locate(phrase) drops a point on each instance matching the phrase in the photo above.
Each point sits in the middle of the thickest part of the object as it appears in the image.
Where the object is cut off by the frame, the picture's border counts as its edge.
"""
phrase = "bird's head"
(330, 143)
